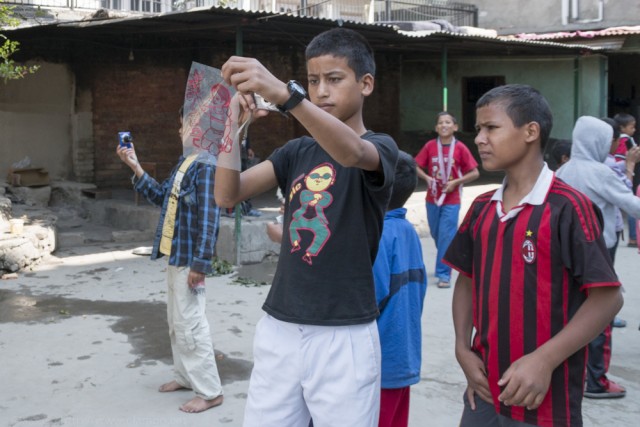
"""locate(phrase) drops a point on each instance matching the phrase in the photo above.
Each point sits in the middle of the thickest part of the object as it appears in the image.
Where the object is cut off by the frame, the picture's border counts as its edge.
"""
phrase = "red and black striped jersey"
(530, 274)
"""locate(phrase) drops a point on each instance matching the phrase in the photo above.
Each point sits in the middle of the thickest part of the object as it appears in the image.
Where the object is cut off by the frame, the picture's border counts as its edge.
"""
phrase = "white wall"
(35, 120)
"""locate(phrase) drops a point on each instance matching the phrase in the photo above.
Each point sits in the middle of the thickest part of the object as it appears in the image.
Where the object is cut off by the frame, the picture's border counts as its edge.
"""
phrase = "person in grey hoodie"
(587, 172)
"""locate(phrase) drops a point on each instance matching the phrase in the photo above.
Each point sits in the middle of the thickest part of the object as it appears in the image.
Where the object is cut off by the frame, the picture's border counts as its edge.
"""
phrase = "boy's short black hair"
(624, 119)
(615, 125)
(523, 104)
(406, 179)
(344, 43)
(561, 148)
(446, 113)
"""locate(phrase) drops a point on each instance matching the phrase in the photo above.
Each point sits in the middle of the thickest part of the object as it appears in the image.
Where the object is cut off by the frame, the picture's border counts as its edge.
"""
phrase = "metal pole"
(238, 208)
(576, 88)
(604, 78)
(445, 93)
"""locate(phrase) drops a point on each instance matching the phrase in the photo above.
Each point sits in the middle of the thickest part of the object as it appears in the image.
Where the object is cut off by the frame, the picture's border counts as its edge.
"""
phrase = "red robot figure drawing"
(209, 117)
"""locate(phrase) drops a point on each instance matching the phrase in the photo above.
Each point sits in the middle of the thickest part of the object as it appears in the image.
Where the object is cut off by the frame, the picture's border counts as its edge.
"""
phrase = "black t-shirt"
(332, 225)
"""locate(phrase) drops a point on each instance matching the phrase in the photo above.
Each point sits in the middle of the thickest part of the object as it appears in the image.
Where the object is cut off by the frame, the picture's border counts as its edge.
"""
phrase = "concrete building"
(544, 16)
(610, 24)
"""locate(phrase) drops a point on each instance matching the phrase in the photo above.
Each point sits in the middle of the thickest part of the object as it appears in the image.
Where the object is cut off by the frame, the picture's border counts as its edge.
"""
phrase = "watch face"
(297, 93)
(297, 87)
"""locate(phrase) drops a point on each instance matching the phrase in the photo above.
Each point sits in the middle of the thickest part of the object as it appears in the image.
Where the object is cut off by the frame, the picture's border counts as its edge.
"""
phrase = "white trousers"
(194, 362)
(330, 374)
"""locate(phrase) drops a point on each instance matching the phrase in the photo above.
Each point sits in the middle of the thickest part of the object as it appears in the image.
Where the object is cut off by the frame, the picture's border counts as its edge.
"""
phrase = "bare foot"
(171, 386)
(198, 404)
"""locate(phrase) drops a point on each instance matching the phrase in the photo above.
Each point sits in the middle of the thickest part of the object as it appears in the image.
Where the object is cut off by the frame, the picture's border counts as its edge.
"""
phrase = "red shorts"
(394, 407)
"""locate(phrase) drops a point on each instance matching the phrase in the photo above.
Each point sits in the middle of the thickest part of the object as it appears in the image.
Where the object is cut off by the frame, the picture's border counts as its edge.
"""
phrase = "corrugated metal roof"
(220, 24)
(497, 38)
(591, 34)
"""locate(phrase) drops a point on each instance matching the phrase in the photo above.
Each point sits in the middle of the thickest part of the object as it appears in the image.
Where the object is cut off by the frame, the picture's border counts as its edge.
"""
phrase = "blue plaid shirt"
(197, 216)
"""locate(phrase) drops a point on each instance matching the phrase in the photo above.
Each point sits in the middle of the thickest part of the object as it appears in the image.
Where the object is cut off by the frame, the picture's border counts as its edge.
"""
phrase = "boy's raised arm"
(342, 142)
(232, 187)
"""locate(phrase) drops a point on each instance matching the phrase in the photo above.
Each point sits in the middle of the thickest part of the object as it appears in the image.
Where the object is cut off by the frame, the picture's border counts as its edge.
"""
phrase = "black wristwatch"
(297, 93)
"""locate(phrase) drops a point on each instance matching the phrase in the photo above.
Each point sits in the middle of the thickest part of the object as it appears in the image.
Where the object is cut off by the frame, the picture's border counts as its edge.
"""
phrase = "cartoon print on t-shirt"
(438, 175)
(310, 216)
(435, 170)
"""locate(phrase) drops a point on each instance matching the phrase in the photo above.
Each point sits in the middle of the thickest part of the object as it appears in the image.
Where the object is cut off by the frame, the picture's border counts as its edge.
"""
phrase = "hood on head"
(591, 139)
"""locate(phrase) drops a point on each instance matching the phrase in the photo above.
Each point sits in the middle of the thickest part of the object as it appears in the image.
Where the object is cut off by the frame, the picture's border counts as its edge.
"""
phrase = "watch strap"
(295, 98)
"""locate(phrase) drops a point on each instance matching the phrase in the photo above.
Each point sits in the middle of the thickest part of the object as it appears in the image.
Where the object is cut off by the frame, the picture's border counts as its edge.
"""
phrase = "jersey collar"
(536, 196)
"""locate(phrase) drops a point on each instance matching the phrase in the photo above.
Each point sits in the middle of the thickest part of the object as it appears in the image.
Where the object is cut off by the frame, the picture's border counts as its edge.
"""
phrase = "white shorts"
(300, 372)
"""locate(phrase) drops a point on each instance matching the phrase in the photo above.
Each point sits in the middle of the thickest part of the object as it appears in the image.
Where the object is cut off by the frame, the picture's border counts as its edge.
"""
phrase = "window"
(145, 5)
(111, 4)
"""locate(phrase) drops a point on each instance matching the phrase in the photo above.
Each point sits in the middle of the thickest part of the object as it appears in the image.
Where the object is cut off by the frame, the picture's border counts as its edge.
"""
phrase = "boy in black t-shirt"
(316, 351)
(536, 281)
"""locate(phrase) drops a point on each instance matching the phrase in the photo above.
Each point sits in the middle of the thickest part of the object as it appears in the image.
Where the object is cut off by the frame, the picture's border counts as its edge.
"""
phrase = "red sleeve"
(459, 254)
(422, 159)
(582, 246)
(467, 162)
(621, 151)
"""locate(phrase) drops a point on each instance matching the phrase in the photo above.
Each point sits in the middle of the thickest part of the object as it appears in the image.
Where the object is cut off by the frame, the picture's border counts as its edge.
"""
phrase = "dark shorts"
(485, 415)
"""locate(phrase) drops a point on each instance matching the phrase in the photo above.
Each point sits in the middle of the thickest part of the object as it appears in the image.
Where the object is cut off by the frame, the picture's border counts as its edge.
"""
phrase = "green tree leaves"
(9, 70)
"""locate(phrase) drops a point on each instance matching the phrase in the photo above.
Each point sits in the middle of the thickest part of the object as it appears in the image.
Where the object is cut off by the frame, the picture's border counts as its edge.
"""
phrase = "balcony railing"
(148, 6)
(458, 14)
(370, 11)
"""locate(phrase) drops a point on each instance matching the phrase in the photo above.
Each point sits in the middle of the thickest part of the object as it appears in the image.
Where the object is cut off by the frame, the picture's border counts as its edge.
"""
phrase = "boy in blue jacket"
(401, 285)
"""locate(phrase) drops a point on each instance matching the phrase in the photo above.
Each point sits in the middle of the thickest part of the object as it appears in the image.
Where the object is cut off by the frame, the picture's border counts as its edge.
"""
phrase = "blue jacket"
(401, 284)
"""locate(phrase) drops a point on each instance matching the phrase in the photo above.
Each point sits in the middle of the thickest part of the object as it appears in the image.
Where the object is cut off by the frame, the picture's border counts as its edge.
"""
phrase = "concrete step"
(96, 234)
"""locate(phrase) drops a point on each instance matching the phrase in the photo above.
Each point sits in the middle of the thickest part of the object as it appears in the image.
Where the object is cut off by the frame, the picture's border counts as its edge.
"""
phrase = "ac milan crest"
(529, 251)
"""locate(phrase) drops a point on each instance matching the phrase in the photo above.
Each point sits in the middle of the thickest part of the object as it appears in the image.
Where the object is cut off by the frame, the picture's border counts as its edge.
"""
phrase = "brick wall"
(83, 158)
(143, 96)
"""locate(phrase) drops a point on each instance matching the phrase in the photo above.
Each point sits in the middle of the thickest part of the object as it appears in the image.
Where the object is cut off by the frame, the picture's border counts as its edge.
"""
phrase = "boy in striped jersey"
(536, 282)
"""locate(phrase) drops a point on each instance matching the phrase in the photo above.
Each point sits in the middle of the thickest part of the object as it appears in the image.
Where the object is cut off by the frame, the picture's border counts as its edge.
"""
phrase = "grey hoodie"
(587, 173)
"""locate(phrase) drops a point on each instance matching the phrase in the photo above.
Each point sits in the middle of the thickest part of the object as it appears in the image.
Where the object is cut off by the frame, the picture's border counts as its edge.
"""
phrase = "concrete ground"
(84, 342)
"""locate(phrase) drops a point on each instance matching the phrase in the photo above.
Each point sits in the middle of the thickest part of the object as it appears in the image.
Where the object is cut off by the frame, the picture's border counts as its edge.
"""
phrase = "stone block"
(123, 215)
(28, 177)
(254, 244)
(69, 239)
(32, 196)
(5, 208)
(17, 253)
(66, 193)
